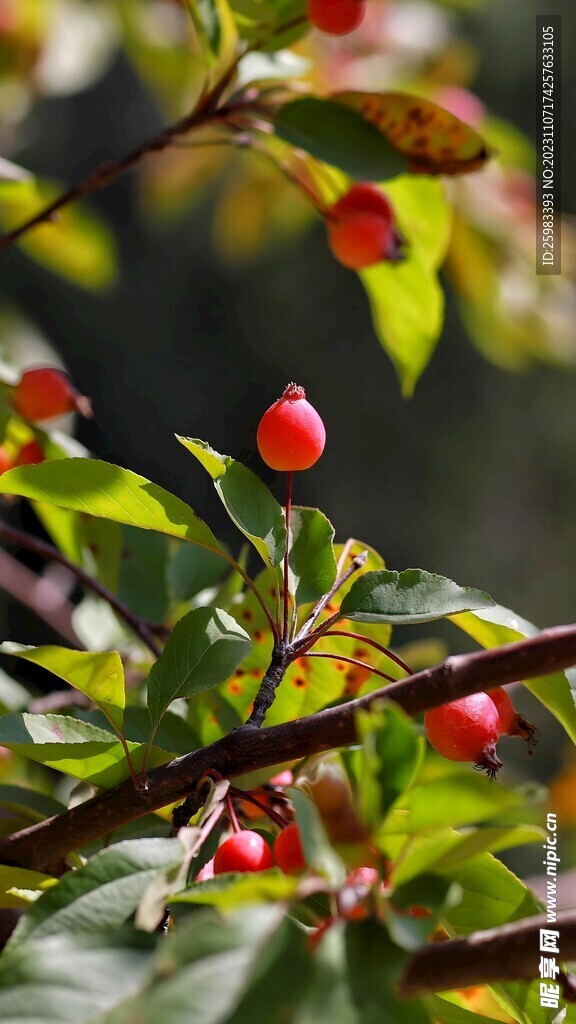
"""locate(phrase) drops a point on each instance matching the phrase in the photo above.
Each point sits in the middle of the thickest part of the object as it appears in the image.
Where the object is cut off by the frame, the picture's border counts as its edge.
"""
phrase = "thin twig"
(42, 596)
(349, 661)
(142, 628)
(358, 562)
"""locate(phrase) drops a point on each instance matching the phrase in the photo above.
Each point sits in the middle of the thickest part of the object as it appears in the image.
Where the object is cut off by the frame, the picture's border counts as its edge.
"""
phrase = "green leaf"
(497, 626)
(374, 964)
(204, 968)
(407, 305)
(78, 245)
(446, 847)
(100, 895)
(491, 895)
(260, 21)
(73, 978)
(74, 747)
(409, 596)
(233, 890)
(21, 806)
(459, 798)
(142, 585)
(406, 298)
(450, 1013)
(311, 562)
(203, 649)
(246, 499)
(109, 492)
(339, 136)
(192, 569)
(390, 755)
(100, 676)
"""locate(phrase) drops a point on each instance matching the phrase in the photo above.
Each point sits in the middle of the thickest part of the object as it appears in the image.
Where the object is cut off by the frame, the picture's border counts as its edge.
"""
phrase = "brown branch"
(510, 952)
(349, 661)
(142, 628)
(205, 113)
(45, 845)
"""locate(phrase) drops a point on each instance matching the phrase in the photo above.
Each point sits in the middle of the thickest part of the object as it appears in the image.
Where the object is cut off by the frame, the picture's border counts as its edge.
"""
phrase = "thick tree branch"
(44, 846)
(508, 953)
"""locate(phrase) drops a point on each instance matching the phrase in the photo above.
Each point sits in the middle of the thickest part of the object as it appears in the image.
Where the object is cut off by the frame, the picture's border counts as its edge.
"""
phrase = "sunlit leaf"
(409, 596)
(101, 489)
(99, 675)
(100, 895)
(248, 502)
(433, 140)
(203, 649)
(311, 561)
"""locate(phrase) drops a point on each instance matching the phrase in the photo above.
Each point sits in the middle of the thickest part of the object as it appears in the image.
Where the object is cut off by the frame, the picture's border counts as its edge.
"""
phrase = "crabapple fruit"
(288, 852)
(29, 455)
(291, 434)
(336, 17)
(466, 730)
(44, 392)
(362, 229)
(243, 852)
(511, 723)
(5, 461)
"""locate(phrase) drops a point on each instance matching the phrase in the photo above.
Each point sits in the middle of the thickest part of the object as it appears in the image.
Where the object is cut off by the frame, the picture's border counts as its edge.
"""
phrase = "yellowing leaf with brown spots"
(433, 140)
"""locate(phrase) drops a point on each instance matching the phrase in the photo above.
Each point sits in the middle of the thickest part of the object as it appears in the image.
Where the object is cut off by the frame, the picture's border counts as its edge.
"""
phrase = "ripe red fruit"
(291, 434)
(29, 455)
(337, 17)
(288, 852)
(466, 730)
(5, 461)
(352, 897)
(244, 851)
(511, 723)
(44, 392)
(361, 228)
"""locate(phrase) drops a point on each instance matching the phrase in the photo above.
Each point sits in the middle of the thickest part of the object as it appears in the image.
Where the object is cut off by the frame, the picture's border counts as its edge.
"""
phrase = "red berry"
(466, 730)
(291, 434)
(45, 392)
(29, 455)
(361, 228)
(337, 17)
(511, 723)
(288, 852)
(5, 461)
(352, 898)
(244, 851)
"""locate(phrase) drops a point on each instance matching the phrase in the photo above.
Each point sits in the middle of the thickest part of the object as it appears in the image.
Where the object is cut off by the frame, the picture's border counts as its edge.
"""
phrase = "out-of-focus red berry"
(336, 17)
(361, 228)
(288, 852)
(44, 392)
(29, 455)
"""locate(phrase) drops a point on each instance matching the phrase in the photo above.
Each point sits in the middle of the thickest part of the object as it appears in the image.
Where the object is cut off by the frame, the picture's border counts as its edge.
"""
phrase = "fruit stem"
(278, 819)
(350, 661)
(289, 479)
(232, 813)
(371, 643)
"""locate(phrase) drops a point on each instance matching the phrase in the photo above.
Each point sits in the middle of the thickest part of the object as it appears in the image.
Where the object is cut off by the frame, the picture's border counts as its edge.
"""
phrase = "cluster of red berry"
(468, 729)
(42, 393)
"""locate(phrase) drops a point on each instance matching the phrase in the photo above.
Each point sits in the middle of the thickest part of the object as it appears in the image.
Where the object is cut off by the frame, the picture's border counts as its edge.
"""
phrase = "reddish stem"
(278, 819)
(371, 643)
(350, 661)
(289, 479)
(232, 813)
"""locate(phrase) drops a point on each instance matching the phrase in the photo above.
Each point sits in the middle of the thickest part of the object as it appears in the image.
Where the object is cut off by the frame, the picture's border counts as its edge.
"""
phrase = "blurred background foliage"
(184, 296)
